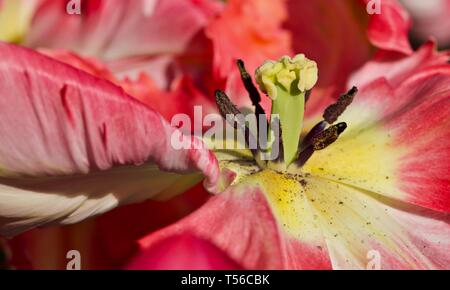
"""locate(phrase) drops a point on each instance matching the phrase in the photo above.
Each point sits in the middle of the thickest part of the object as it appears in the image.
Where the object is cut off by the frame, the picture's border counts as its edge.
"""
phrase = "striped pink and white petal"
(269, 221)
(74, 145)
(181, 98)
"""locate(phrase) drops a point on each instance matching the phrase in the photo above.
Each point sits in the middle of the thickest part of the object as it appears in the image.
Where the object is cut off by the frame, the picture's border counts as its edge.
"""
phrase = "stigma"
(294, 76)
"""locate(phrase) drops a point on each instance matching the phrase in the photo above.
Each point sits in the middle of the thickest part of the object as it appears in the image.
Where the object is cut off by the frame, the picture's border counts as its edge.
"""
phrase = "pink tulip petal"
(242, 223)
(180, 98)
(74, 145)
(112, 29)
(389, 29)
(397, 69)
(396, 143)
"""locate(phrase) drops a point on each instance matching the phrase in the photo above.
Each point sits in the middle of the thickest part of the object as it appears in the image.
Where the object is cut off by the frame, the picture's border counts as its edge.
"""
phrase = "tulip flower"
(381, 185)
(375, 181)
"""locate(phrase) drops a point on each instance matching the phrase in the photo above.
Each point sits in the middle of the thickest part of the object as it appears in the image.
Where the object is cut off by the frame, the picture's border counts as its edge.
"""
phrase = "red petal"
(396, 69)
(397, 141)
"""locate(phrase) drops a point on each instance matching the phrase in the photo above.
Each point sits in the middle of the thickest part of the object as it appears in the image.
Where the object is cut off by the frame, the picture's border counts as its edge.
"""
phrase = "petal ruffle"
(74, 146)
(396, 143)
(248, 30)
(180, 98)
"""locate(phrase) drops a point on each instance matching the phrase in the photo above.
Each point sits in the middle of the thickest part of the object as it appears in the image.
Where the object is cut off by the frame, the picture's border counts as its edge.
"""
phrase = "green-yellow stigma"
(287, 82)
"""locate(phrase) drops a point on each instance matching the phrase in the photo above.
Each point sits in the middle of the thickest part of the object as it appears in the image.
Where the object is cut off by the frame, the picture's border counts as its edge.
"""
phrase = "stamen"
(320, 141)
(253, 93)
(248, 83)
(226, 107)
(328, 137)
(318, 128)
(333, 112)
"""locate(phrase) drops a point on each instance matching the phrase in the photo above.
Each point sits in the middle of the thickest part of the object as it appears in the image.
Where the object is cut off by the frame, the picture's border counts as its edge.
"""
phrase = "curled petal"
(388, 28)
(74, 145)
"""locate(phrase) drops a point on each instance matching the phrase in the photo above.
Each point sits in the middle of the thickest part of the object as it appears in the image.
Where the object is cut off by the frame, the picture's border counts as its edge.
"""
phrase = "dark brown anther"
(328, 137)
(319, 127)
(225, 106)
(333, 112)
(321, 141)
(248, 83)
(253, 93)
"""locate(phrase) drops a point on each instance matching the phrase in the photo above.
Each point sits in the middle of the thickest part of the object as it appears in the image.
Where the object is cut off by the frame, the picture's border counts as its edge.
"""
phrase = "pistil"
(287, 83)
